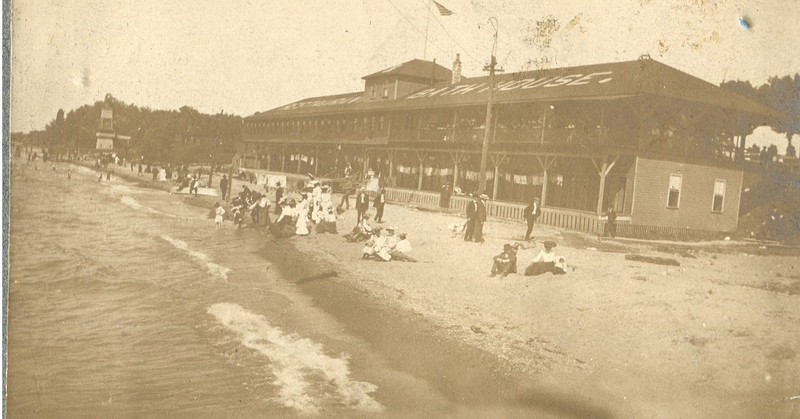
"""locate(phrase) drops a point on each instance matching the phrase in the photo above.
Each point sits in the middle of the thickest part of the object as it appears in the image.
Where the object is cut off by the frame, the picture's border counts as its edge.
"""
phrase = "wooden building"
(660, 146)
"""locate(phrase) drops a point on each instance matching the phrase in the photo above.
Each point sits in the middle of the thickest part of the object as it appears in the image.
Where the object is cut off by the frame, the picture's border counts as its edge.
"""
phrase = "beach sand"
(716, 336)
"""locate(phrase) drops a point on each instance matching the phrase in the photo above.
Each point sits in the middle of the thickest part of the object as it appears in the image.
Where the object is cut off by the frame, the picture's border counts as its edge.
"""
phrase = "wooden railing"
(587, 222)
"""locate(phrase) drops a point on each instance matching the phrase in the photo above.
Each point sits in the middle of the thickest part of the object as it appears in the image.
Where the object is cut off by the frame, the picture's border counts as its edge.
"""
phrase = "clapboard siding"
(694, 211)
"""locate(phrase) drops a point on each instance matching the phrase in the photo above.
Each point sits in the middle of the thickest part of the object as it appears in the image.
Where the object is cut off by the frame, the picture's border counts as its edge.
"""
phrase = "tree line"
(169, 136)
(780, 93)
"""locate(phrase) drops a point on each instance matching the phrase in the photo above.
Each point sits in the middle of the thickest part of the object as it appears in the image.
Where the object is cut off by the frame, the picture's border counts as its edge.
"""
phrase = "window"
(719, 196)
(373, 91)
(386, 91)
(674, 194)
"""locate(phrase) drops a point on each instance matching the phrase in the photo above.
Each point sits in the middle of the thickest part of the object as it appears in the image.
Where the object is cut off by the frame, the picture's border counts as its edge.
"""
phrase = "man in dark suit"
(472, 208)
(480, 218)
(532, 212)
(380, 203)
(362, 204)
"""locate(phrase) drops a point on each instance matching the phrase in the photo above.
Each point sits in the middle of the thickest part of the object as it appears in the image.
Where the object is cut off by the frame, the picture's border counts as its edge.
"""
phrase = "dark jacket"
(471, 209)
(530, 214)
(380, 200)
(362, 201)
(480, 213)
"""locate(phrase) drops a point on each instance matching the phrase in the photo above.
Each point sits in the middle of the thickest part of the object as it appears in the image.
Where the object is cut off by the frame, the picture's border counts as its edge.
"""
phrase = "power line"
(449, 34)
(415, 27)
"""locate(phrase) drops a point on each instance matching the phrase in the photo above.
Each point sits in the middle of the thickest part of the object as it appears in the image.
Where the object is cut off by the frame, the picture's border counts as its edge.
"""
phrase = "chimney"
(456, 70)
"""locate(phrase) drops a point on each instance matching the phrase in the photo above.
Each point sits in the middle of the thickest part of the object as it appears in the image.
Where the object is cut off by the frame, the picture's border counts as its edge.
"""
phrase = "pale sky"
(243, 56)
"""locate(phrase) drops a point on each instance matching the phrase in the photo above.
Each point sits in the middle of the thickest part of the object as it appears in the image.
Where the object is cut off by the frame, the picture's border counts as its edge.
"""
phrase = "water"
(126, 301)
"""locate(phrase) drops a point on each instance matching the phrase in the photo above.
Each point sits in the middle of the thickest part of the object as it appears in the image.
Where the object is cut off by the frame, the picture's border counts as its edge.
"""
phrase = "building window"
(386, 91)
(718, 201)
(674, 194)
(380, 126)
(373, 91)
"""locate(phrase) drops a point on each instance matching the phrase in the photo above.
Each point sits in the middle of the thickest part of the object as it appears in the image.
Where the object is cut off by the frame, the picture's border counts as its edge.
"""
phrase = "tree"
(780, 93)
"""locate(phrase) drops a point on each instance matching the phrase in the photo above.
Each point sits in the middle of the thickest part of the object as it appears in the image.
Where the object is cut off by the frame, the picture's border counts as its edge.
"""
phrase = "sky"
(244, 56)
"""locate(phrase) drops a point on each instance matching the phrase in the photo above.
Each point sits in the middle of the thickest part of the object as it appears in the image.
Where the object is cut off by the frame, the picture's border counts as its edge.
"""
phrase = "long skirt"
(538, 268)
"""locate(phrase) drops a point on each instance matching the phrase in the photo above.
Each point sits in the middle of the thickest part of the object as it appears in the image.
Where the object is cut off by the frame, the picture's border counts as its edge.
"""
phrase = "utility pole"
(491, 68)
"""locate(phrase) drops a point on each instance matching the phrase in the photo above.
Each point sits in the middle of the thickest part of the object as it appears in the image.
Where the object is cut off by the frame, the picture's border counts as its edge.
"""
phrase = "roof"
(591, 82)
(415, 68)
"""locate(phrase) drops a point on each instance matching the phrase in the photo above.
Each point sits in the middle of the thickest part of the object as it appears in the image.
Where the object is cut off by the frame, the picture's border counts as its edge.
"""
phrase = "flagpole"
(427, 23)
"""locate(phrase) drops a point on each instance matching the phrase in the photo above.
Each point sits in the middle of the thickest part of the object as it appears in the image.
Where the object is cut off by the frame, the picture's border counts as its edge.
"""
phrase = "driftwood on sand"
(653, 259)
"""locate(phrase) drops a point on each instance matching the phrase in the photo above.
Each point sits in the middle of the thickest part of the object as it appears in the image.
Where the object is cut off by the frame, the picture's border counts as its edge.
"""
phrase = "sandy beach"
(713, 337)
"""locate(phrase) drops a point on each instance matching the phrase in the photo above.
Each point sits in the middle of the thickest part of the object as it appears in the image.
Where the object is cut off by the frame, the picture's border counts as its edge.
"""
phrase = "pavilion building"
(662, 147)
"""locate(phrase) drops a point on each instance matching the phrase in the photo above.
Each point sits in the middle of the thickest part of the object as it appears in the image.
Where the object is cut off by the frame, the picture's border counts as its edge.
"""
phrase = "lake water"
(125, 301)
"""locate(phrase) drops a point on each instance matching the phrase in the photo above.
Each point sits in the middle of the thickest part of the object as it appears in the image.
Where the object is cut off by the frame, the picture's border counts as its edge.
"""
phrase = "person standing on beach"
(380, 203)
(611, 224)
(362, 204)
(193, 185)
(532, 212)
(223, 186)
(444, 196)
(347, 189)
(219, 212)
(469, 229)
(278, 197)
(480, 218)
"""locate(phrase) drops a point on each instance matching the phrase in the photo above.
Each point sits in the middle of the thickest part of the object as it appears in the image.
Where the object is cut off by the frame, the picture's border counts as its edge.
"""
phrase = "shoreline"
(407, 340)
(613, 338)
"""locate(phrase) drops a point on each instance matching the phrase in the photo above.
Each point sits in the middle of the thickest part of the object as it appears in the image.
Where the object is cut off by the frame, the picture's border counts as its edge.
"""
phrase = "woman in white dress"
(301, 225)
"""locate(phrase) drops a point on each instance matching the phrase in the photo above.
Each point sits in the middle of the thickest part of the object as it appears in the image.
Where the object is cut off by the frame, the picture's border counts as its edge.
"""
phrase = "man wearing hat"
(480, 217)
(531, 213)
(362, 203)
(505, 263)
(472, 208)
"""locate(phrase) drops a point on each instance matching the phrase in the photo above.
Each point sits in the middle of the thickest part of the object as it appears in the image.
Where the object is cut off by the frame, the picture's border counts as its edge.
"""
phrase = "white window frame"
(714, 194)
(680, 189)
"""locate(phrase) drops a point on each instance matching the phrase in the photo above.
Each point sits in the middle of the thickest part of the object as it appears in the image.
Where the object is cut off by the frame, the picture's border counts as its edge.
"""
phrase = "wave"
(132, 203)
(301, 369)
(213, 268)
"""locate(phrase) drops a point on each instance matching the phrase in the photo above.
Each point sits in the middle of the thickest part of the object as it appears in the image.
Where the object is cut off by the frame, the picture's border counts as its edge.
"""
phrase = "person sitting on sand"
(402, 249)
(362, 231)
(545, 261)
(327, 224)
(384, 248)
(285, 225)
(377, 241)
(505, 263)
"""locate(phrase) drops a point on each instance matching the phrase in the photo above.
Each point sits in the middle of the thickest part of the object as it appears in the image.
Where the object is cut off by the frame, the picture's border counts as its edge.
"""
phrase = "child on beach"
(219, 211)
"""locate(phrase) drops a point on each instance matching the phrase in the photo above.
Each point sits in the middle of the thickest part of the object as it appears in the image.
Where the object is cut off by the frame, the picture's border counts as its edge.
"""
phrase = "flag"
(443, 10)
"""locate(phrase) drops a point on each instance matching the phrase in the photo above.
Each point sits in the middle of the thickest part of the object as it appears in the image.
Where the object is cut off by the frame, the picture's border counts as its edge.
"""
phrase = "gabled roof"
(590, 82)
(415, 68)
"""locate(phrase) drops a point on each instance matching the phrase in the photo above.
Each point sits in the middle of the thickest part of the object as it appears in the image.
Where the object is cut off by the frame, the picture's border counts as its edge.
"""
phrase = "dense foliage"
(177, 136)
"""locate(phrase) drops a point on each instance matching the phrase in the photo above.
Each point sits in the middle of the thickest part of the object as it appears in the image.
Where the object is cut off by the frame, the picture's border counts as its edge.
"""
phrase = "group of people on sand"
(312, 209)
(545, 261)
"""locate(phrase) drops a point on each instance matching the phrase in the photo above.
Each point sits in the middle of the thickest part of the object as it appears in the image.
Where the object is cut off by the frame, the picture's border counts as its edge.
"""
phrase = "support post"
(421, 157)
(546, 164)
(283, 159)
(497, 159)
(603, 172)
(316, 161)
